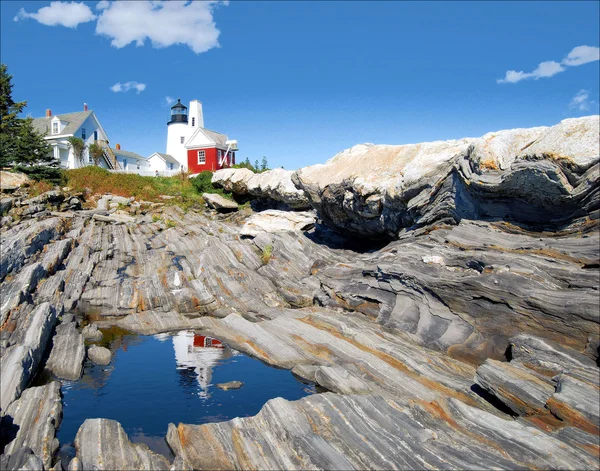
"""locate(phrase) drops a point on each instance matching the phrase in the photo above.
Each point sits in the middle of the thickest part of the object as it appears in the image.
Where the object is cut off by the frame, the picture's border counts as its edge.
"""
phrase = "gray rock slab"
(219, 203)
(68, 352)
(20, 361)
(516, 386)
(37, 414)
(102, 444)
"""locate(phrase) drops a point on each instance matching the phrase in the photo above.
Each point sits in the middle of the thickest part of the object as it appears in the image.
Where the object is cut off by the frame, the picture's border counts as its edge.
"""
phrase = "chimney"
(85, 107)
(48, 113)
(118, 146)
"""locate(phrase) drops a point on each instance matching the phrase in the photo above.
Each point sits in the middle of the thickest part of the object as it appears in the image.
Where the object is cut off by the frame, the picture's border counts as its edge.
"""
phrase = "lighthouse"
(192, 145)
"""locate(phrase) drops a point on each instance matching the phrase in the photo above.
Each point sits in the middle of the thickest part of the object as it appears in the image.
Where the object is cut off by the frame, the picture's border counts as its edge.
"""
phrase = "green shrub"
(202, 184)
(170, 223)
(53, 175)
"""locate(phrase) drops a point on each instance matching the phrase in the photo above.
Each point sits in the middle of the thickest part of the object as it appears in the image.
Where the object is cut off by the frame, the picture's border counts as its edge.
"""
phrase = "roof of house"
(167, 158)
(127, 154)
(73, 120)
(215, 136)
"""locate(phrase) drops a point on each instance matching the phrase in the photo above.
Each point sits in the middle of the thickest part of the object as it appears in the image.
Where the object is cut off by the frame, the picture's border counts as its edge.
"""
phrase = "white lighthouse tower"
(177, 133)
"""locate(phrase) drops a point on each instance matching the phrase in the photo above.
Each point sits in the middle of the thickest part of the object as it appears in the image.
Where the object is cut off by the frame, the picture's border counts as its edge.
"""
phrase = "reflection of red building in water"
(204, 341)
(200, 353)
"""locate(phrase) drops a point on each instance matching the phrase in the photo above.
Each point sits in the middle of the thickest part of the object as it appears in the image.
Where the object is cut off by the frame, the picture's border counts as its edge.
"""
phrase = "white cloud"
(125, 87)
(543, 70)
(581, 100)
(102, 5)
(582, 55)
(578, 56)
(163, 23)
(169, 100)
(69, 14)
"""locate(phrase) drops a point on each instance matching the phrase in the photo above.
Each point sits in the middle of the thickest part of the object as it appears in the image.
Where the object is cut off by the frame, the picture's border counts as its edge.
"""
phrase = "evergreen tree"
(20, 145)
(256, 167)
(9, 119)
(32, 148)
(265, 165)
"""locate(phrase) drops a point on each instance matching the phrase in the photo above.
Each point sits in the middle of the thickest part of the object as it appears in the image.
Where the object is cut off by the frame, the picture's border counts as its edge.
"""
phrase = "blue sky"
(300, 81)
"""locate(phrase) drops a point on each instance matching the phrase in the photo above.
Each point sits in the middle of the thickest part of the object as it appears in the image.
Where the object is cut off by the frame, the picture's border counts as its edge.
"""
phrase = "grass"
(267, 254)
(37, 188)
(101, 181)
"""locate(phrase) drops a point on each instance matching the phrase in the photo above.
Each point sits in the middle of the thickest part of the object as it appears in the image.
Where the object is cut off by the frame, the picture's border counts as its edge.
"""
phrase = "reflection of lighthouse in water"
(199, 354)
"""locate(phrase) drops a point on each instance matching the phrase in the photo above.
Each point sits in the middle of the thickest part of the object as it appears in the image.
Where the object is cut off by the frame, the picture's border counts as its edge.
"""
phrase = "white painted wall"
(174, 146)
(195, 111)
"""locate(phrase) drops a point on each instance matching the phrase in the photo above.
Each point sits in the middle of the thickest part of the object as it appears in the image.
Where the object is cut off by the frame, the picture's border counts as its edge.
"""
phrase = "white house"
(164, 164)
(84, 124)
(131, 162)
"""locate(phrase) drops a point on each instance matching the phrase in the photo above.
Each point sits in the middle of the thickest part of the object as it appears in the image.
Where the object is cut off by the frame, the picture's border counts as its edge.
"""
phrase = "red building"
(209, 150)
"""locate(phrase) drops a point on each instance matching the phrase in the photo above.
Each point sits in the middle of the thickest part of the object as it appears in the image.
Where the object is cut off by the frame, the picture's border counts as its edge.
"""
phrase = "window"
(193, 121)
(125, 164)
(83, 136)
(201, 157)
(55, 128)
(182, 139)
(171, 166)
(220, 154)
(95, 135)
(138, 164)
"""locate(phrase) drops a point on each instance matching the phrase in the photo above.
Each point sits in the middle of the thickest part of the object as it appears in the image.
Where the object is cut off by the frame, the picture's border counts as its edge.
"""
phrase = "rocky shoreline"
(463, 335)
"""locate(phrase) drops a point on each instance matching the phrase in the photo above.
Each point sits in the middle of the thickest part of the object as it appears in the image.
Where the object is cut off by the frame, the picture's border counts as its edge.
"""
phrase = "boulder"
(537, 176)
(274, 185)
(219, 203)
(6, 205)
(273, 220)
(10, 181)
(91, 332)
(102, 444)
(234, 180)
(229, 385)
(99, 355)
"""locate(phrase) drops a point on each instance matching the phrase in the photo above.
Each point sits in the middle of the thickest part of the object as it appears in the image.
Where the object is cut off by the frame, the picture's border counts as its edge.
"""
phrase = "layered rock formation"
(542, 177)
(464, 345)
(272, 186)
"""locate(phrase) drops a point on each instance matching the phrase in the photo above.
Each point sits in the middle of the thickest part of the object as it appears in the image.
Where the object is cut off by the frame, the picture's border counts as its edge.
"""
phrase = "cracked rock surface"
(463, 343)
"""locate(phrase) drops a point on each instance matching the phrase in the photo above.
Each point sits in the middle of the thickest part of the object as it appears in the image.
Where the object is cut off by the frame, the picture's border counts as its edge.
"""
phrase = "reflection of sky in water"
(152, 381)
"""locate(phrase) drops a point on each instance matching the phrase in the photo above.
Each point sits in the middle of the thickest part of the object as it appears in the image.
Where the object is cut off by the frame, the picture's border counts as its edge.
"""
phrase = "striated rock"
(36, 414)
(230, 385)
(99, 355)
(539, 176)
(21, 360)
(523, 392)
(10, 181)
(546, 355)
(273, 185)
(328, 431)
(68, 352)
(577, 401)
(102, 444)
(22, 459)
(273, 220)
(219, 203)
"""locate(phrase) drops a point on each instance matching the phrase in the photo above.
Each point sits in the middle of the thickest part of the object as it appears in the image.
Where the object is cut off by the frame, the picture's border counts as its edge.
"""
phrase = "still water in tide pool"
(154, 380)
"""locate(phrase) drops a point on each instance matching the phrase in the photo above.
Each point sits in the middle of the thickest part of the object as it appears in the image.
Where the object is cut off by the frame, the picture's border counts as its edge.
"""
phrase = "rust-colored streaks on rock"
(394, 362)
(571, 416)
